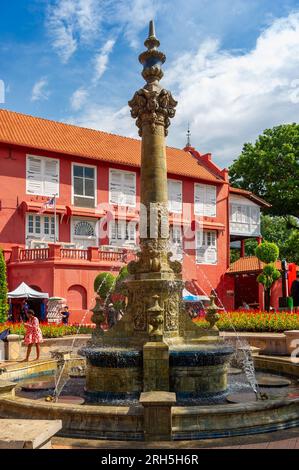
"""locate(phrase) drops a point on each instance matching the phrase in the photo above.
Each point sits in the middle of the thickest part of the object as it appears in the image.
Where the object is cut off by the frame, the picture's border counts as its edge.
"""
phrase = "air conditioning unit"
(38, 244)
(69, 246)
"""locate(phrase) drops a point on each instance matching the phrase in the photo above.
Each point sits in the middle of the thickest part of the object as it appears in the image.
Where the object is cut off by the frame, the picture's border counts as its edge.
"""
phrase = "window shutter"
(129, 189)
(199, 199)
(131, 228)
(115, 187)
(175, 196)
(210, 206)
(211, 255)
(51, 177)
(112, 232)
(34, 180)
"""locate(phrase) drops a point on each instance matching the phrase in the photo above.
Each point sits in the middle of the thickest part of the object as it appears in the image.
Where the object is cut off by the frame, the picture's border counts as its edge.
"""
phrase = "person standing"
(65, 315)
(295, 292)
(111, 315)
(33, 335)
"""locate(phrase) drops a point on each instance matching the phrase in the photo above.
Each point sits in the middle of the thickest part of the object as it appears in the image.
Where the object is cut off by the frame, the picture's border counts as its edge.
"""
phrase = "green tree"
(3, 289)
(270, 169)
(104, 285)
(284, 231)
(268, 253)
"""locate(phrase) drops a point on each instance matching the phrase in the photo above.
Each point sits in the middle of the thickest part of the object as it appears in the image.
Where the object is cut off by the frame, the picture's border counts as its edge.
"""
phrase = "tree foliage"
(3, 289)
(284, 231)
(270, 169)
(104, 285)
(267, 252)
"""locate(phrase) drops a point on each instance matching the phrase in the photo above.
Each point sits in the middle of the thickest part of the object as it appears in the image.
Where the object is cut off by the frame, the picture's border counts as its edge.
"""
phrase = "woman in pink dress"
(33, 335)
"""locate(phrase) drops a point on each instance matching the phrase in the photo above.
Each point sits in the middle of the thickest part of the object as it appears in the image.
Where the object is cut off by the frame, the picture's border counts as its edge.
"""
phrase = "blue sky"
(233, 65)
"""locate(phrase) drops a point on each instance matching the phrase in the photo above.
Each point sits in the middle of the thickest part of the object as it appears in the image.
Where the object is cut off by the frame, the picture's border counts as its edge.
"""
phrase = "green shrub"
(104, 284)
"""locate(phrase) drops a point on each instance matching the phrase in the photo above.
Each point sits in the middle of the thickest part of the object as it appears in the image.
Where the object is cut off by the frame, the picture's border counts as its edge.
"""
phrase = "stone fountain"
(155, 346)
(149, 372)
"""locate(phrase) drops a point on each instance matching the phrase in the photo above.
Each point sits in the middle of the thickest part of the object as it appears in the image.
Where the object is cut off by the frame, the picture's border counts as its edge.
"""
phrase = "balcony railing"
(56, 252)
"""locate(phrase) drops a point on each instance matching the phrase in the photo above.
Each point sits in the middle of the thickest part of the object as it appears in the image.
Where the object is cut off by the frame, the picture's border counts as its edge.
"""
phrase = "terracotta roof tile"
(248, 264)
(42, 134)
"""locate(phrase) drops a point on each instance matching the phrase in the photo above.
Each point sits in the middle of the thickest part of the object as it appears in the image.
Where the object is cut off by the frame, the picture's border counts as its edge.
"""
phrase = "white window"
(122, 233)
(205, 199)
(244, 219)
(175, 197)
(40, 227)
(176, 242)
(84, 185)
(206, 247)
(42, 176)
(122, 188)
(84, 233)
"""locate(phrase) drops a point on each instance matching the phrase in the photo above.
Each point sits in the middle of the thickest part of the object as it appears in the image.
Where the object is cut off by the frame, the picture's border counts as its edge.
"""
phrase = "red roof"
(43, 134)
(243, 192)
(248, 264)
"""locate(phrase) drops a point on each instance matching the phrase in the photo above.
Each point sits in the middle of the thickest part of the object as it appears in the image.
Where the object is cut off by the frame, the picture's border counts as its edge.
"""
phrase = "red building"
(93, 225)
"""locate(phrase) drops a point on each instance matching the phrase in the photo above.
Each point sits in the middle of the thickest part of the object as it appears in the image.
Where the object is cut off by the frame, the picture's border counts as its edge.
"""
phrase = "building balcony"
(58, 254)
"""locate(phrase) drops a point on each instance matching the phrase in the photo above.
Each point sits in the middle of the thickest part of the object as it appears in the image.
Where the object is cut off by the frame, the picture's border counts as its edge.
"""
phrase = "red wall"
(58, 281)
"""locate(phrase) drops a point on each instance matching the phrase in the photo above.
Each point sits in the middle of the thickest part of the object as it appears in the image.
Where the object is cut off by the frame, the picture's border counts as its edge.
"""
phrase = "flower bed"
(252, 321)
(49, 330)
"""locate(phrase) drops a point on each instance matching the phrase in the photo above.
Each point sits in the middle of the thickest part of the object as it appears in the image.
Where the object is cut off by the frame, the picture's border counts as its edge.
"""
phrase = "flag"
(49, 204)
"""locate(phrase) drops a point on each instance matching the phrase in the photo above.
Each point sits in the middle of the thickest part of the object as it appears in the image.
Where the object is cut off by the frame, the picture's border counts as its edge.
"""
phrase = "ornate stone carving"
(153, 108)
(152, 105)
(212, 315)
(171, 308)
(155, 319)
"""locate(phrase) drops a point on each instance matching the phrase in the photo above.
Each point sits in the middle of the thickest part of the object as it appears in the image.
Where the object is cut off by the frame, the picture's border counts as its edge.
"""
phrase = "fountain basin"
(126, 422)
(193, 371)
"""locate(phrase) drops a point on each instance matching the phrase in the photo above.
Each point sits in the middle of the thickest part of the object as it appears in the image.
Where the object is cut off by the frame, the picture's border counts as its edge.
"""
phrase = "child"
(33, 335)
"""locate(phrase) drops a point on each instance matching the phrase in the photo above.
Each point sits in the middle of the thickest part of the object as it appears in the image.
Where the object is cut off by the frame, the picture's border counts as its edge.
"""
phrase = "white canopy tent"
(25, 292)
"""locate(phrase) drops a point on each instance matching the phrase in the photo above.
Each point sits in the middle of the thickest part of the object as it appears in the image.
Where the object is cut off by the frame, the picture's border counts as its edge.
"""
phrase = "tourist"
(245, 306)
(33, 335)
(111, 315)
(24, 311)
(65, 315)
(295, 292)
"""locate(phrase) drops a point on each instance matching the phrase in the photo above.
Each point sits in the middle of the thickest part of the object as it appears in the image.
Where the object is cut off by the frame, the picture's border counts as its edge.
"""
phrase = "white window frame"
(95, 182)
(122, 242)
(122, 172)
(177, 248)
(43, 160)
(204, 203)
(169, 180)
(244, 220)
(76, 238)
(204, 235)
(42, 236)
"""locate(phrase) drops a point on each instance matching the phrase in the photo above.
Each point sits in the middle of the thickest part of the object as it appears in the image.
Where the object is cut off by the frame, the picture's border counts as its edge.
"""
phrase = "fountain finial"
(152, 59)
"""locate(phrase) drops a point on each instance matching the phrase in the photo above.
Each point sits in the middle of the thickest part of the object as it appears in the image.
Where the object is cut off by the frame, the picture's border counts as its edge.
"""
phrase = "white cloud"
(40, 91)
(101, 60)
(71, 22)
(229, 97)
(106, 119)
(78, 99)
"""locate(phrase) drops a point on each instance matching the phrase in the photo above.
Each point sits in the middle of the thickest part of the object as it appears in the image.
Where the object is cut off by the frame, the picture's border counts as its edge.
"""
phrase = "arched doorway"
(77, 297)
